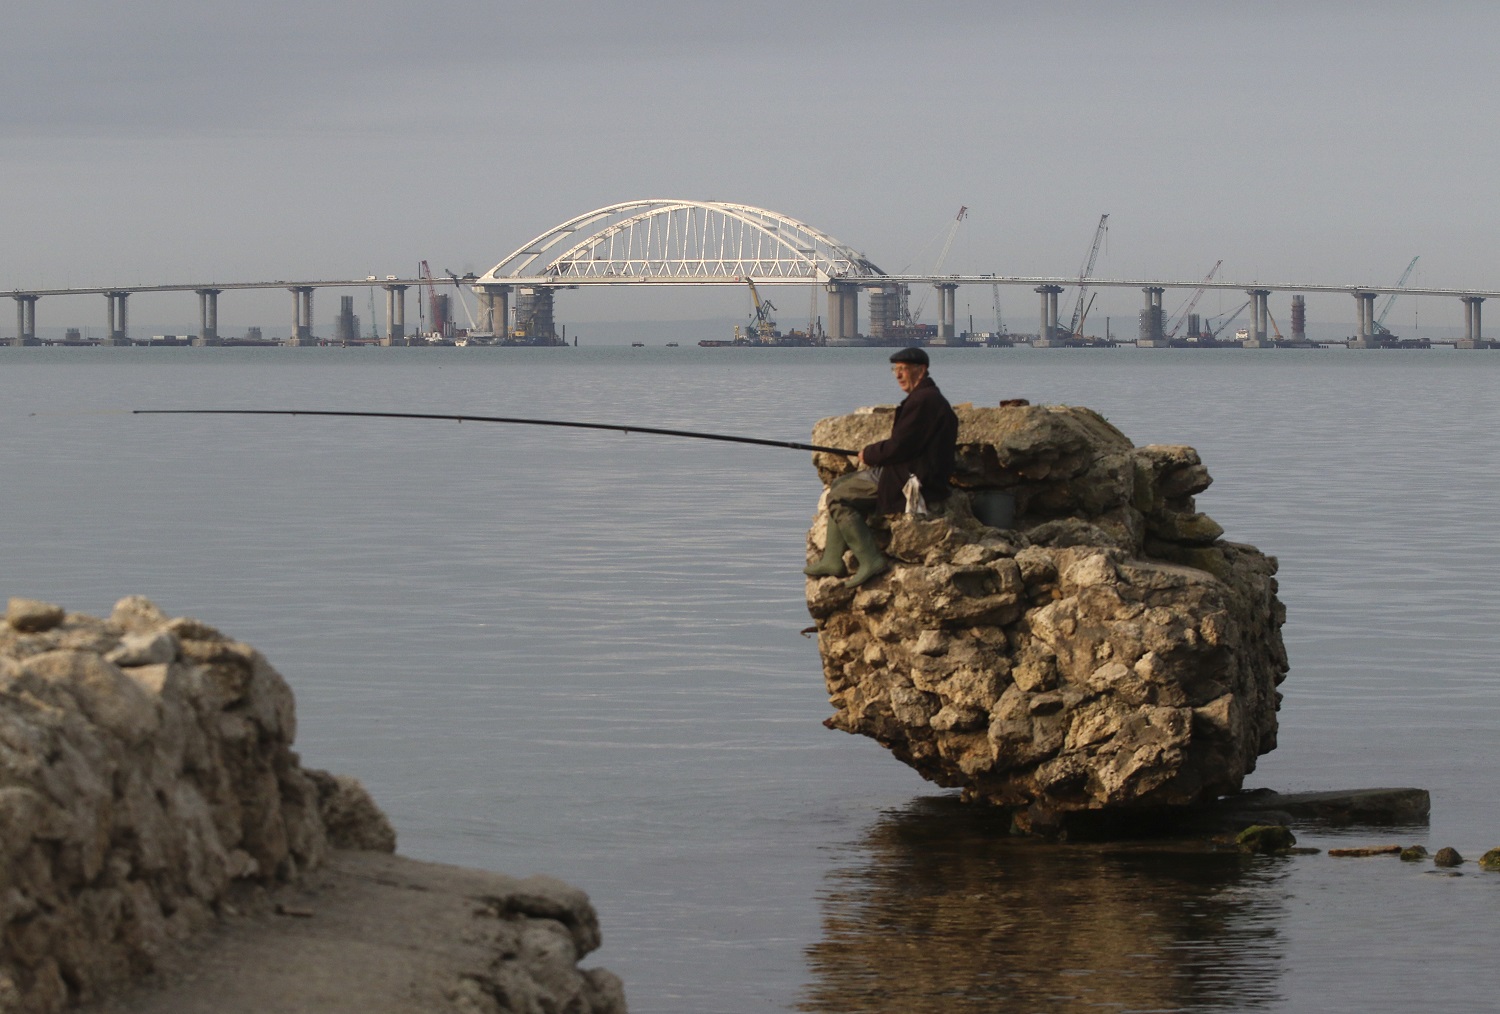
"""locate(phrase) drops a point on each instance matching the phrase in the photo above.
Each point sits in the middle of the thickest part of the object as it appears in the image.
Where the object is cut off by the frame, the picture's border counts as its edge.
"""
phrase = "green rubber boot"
(832, 563)
(871, 560)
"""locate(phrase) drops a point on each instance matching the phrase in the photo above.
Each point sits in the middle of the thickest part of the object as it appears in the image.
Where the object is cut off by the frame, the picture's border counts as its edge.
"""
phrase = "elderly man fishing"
(921, 447)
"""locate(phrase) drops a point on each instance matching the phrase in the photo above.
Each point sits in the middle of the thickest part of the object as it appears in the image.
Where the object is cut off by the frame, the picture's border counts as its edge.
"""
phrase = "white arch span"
(677, 242)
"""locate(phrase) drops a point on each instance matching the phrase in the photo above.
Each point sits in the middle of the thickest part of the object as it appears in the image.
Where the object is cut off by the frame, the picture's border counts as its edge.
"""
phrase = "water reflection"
(940, 911)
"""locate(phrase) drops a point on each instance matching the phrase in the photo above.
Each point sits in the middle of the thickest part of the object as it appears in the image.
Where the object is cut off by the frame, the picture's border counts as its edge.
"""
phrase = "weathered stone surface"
(135, 791)
(1490, 860)
(350, 817)
(147, 778)
(30, 616)
(380, 934)
(1111, 651)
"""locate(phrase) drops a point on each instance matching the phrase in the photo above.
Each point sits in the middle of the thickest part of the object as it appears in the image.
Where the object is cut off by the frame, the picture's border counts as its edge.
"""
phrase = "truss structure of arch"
(681, 242)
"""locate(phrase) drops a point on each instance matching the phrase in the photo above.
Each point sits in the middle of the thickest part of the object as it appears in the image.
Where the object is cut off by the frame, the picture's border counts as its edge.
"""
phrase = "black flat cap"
(917, 357)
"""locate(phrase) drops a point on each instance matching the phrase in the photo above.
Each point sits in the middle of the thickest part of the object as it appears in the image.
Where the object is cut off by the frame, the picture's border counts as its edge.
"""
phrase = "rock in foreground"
(370, 933)
(1106, 651)
(148, 789)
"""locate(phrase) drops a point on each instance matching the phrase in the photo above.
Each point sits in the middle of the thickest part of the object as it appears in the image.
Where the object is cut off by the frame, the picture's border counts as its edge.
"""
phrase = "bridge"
(684, 242)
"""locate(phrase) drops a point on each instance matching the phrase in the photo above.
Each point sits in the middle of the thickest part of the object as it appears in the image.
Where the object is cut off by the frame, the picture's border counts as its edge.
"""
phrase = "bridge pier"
(119, 328)
(208, 317)
(25, 319)
(495, 309)
(885, 312)
(301, 316)
(1473, 325)
(843, 314)
(395, 315)
(1153, 333)
(1299, 319)
(1364, 307)
(536, 320)
(850, 313)
(947, 313)
(1260, 316)
(1048, 337)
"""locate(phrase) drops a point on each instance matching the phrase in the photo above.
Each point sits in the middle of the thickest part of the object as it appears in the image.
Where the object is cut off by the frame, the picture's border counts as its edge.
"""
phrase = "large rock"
(148, 787)
(1108, 651)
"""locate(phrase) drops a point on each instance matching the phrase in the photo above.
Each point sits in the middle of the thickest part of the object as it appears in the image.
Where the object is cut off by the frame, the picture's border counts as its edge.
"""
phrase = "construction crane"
(1385, 307)
(434, 307)
(1085, 273)
(1279, 336)
(1078, 333)
(458, 286)
(1172, 333)
(764, 328)
(999, 327)
(373, 333)
(1214, 332)
(963, 213)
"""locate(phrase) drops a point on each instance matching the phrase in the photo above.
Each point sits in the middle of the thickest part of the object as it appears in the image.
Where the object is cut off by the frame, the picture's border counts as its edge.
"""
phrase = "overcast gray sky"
(173, 141)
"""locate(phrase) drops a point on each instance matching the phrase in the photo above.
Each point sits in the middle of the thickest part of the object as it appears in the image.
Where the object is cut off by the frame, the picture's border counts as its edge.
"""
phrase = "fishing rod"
(656, 431)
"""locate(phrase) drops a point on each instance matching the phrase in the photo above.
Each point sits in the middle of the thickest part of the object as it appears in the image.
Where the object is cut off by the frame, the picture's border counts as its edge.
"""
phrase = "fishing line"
(88, 411)
(569, 424)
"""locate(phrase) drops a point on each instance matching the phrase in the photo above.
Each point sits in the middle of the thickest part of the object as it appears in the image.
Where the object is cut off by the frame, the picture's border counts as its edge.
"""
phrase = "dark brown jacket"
(922, 442)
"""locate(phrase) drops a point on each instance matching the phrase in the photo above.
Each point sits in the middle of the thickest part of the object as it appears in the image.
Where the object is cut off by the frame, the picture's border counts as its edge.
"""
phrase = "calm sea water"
(579, 653)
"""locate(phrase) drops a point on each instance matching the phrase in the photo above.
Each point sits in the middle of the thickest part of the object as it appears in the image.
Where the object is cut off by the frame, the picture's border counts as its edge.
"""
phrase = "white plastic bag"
(914, 502)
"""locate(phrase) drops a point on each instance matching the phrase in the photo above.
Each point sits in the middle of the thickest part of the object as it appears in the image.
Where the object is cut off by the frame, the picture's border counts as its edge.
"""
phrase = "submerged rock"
(1108, 651)
(1447, 857)
(1384, 806)
(1265, 839)
(1362, 851)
